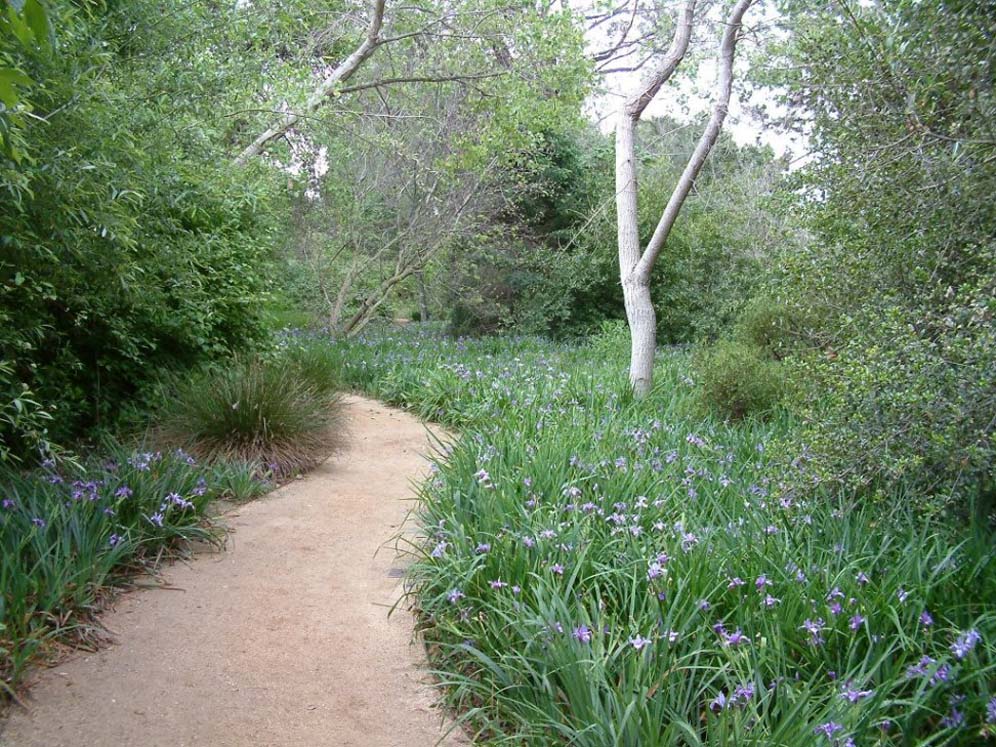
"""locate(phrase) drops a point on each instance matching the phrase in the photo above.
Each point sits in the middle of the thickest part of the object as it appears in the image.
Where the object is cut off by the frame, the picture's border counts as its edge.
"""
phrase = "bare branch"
(608, 53)
(420, 79)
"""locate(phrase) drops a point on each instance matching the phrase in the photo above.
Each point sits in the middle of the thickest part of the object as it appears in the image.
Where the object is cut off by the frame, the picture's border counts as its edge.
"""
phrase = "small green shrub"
(611, 341)
(255, 410)
(737, 380)
(775, 327)
(241, 481)
(473, 320)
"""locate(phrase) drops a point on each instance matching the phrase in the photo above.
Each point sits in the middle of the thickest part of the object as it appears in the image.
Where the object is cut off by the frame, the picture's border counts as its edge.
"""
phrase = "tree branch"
(419, 79)
(328, 87)
(724, 86)
(675, 53)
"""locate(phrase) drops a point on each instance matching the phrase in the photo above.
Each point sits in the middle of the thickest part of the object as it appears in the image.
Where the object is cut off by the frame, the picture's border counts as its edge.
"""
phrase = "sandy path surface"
(284, 639)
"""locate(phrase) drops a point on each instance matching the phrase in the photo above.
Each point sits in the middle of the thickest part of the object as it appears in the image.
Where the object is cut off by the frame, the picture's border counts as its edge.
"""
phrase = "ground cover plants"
(70, 531)
(600, 571)
(71, 528)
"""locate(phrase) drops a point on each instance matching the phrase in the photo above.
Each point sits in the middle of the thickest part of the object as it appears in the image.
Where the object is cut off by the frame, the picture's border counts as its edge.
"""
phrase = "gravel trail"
(283, 639)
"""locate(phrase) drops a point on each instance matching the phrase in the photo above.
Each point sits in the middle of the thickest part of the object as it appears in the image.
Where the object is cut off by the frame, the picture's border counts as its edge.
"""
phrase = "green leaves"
(28, 22)
(129, 248)
(10, 79)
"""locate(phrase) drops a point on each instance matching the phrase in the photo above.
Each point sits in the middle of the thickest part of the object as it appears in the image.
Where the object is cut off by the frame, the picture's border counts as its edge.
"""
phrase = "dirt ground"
(283, 639)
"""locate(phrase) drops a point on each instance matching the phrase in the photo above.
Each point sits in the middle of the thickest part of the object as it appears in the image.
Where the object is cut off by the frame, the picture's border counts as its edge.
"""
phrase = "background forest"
(204, 186)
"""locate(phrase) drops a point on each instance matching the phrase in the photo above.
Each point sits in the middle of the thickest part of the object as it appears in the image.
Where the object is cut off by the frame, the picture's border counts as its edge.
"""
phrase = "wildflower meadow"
(600, 571)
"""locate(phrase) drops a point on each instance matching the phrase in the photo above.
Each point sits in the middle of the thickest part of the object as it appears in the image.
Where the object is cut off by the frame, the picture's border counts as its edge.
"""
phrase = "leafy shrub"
(901, 406)
(128, 249)
(470, 320)
(255, 410)
(68, 531)
(23, 421)
(774, 327)
(900, 270)
(610, 338)
(737, 380)
(242, 481)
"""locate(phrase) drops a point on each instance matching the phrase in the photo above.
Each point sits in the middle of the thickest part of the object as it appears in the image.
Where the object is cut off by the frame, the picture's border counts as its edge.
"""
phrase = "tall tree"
(636, 263)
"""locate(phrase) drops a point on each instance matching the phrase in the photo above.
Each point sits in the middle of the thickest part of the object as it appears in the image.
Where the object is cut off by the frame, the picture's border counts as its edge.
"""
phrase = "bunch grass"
(283, 413)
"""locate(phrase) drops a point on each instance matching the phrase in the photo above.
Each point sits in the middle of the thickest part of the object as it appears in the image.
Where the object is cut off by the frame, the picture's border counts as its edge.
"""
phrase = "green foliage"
(469, 321)
(897, 407)
(554, 267)
(25, 34)
(130, 246)
(611, 342)
(23, 421)
(69, 532)
(242, 481)
(272, 412)
(774, 327)
(725, 236)
(738, 379)
(312, 363)
(896, 287)
(603, 571)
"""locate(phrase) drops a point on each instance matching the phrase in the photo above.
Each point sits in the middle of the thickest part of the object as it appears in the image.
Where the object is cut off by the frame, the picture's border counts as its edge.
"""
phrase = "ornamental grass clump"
(313, 361)
(257, 411)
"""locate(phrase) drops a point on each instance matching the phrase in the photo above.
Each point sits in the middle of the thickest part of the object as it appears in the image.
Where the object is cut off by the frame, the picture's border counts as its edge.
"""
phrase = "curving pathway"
(284, 639)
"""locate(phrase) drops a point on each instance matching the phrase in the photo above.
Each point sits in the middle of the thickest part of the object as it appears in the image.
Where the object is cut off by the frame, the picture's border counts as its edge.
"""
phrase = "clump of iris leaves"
(70, 530)
(74, 527)
(599, 571)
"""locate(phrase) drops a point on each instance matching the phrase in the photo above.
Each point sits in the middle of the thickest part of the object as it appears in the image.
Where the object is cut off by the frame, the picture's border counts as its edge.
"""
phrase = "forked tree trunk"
(636, 263)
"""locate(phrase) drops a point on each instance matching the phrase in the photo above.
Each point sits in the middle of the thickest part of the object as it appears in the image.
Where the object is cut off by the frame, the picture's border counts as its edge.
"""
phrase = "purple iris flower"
(965, 643)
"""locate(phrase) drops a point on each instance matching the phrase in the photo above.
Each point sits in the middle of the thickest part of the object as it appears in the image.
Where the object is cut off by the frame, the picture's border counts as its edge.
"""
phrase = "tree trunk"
(635, 263)
(643, 333)
(423, 298)
(636, 286)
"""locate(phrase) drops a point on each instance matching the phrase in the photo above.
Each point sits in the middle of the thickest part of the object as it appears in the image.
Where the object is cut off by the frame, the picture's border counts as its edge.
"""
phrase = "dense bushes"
(898, 407)
(130, 250)
(896, 285)
(130, 246)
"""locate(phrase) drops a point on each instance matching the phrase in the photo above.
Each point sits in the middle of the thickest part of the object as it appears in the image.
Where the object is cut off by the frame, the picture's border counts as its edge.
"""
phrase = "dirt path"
(282, 640)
